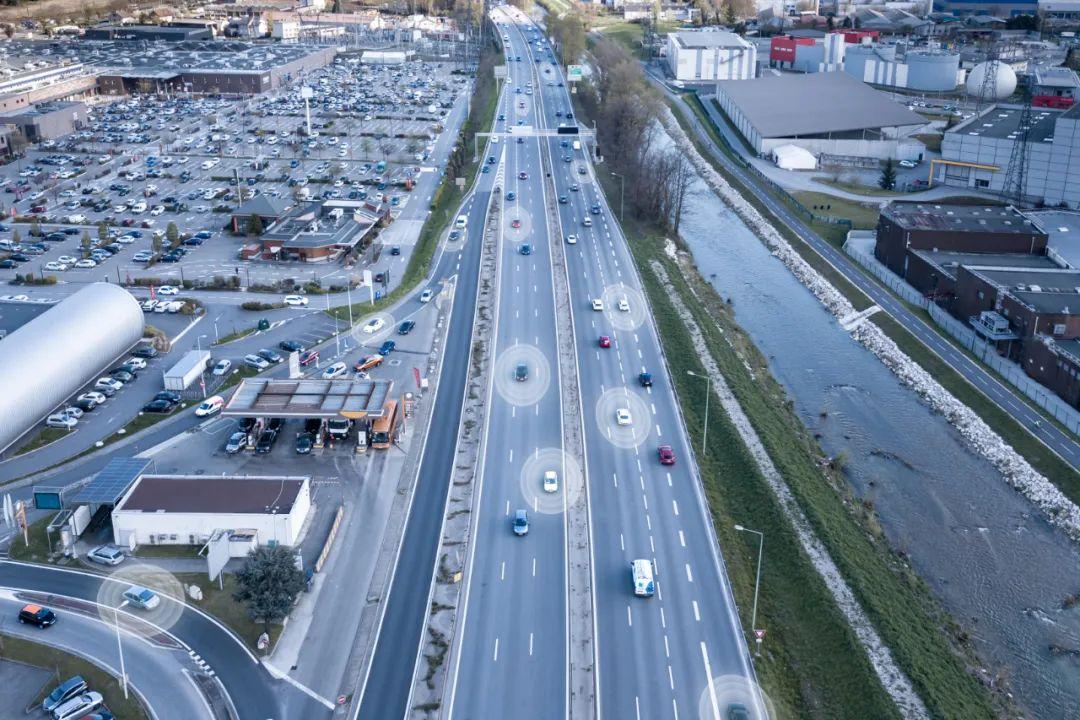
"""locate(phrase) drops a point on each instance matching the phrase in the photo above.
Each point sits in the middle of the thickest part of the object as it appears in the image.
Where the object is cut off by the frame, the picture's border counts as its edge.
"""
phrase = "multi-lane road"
(661, 657)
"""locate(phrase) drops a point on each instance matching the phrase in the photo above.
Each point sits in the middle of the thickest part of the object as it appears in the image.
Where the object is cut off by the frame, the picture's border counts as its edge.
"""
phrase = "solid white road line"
(709, 679)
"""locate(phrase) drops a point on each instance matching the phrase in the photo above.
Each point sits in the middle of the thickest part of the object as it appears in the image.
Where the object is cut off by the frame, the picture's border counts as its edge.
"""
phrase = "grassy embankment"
(811, 664)
(447, 196)
(1034, 451)
(64, 665)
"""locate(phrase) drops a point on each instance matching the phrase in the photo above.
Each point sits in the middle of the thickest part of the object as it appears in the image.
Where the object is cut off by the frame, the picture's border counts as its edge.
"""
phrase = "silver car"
(106, 555)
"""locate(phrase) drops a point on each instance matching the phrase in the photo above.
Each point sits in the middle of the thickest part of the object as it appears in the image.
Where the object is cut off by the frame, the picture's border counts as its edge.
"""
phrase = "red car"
(605, 341)
(667, 455)
(515, 223)
(309, 357)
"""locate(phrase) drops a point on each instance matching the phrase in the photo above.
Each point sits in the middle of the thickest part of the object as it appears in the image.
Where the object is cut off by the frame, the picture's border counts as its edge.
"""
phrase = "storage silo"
(46, 360)
(932, 71)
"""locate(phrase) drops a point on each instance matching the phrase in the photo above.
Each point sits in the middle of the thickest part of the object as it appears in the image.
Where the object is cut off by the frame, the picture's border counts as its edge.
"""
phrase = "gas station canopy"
(309, 398)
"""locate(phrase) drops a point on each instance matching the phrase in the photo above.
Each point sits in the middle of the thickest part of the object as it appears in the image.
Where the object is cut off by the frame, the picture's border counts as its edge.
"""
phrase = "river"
(997, 566)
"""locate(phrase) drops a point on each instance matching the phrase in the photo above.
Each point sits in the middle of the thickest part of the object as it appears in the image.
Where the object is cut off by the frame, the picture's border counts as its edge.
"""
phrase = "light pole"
(622, 193)
(708, 391)
(120, 646)
(757, 580)
(202, 379)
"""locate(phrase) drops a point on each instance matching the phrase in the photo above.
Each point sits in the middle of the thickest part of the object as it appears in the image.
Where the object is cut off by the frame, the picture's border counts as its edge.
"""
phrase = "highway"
(512, 640)
(1004, 396)
(657, 655)
(255, 693)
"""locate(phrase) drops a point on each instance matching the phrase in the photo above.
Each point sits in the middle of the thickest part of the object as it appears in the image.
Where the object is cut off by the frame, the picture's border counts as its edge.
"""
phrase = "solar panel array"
(112, 481)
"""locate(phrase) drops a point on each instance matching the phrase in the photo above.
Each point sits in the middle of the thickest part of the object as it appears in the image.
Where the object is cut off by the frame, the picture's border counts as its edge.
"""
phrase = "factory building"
(826, 113)
(708, 56)
(147, 32)
(47, 121)
(49, 358)
(1054, 87)
(977, 152)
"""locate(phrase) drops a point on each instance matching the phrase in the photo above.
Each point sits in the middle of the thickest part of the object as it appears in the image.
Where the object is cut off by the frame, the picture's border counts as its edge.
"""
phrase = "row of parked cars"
(103, 389)
(74, 700)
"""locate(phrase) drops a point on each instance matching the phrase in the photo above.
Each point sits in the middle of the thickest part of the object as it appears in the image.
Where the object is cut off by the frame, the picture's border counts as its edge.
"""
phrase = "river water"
(997, 566)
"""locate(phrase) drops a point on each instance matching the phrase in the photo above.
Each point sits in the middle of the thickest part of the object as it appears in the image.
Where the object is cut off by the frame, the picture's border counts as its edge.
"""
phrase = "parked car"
(145, 352)
(106, 555)
(290, 346)
(266, 441)
(78, 707)
(142, 598)
(336, 370)
(63, 692)
(158, 406)
(270, 355)
(168, 396)
(236, 442)
(38, 615)
(97, 397)
(308, 357)
(254, 361)
(221, 367)
(61, 420)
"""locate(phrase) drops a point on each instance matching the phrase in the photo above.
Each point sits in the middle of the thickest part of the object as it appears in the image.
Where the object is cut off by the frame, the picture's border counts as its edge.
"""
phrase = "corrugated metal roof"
(798, 105)
(308, 397)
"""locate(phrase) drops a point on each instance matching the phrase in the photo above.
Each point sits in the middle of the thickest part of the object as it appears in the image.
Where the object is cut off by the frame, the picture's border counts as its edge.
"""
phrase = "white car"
(624, 304)
(295, 301)
(597, 304)
(551, 481)
(92, 396)
(571, 239)
(374, 325)
(168, 290)
(210, 406)
(622, 416)
(66, 259)
(908, 164)
(141, 597)
(56, 266)
(136, 362)
(222, 367)
(427, 295)
(60, 420)
(157, 210)
(125, 239)
(335, 371)
(108, 382)
(72, 411)
(106, 555)
(85, 263)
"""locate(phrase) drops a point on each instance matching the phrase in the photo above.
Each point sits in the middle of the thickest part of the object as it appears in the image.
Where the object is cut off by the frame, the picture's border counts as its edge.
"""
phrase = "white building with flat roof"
(708, 56)
(188, 509)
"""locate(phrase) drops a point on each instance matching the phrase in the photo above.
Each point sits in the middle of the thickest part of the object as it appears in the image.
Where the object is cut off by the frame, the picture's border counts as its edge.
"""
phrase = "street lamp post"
(622, 193)
(757, 580)
(202, 379)
(120, 647)
(708, 392)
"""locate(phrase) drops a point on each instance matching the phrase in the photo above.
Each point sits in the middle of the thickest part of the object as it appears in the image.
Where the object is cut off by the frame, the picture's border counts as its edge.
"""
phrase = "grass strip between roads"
(1044, 460)
(446, 198)
(64, 665)
(811, 664)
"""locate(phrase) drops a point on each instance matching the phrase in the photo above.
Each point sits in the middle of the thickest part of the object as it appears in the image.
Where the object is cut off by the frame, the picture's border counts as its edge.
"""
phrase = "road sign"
(759, 635)
(217, 553)
(573, 73)
(500, 72)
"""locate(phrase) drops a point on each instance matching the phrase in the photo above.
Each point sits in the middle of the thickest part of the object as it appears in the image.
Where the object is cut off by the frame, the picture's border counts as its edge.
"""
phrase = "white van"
(461, 222)
(642, 573)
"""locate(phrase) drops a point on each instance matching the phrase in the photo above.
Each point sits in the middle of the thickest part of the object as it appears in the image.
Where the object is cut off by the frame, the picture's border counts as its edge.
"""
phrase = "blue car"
(511, 195)
(387, 347)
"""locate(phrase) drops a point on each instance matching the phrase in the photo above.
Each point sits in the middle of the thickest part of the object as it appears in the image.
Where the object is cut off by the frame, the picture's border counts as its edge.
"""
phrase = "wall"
(896, 149)
(709, 64)
(1057, 372)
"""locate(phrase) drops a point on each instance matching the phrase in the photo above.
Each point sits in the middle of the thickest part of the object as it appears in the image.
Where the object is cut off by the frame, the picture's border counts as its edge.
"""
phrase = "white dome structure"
(1004, 83)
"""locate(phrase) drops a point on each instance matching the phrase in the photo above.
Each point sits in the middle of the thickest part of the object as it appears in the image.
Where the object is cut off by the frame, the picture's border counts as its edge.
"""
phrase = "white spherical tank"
(1004, 80)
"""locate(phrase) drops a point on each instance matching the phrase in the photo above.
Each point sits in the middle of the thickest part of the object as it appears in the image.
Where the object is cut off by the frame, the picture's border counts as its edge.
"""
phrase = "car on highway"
(597, 304)
(645, 379)
(563, 200)
(551, 481)
(38, 615)
(79, 707)
(63, 692)
(291, 346)
(61, 420)
(641, 573)
(571, 239)
(336, 370)
(374, 325)
(523, 175)
(666, 455)
(168, 290)
(406, 327)
(106, 555)
(624, 304)
(159, 406)
(222, 366)
(526, 249)
(255, 361)
(587, 222)
(295, 300)
(511, 196)
(236, 442)
(210, 406)
(308, 357)
(605, 341)
(141, 597)
(521, 522)
(515, 223)
(521, 372)
(595, 209)
(427, 295)
(623, 417)
(737, 711)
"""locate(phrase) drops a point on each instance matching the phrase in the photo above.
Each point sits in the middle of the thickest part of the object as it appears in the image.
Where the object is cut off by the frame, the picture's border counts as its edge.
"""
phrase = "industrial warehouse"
(837, 115)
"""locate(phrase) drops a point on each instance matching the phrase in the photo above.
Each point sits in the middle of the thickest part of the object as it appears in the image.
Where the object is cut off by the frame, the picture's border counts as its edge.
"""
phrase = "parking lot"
(146, 161)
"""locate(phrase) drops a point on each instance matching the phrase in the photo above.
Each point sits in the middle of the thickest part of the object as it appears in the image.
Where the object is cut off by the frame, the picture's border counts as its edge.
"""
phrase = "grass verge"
(38, 548)
(236, 335)
(1029, 447)
(445, 200)
(813, 667)
(45, 436)
(219, 603)
(862, 216)
(64, 665)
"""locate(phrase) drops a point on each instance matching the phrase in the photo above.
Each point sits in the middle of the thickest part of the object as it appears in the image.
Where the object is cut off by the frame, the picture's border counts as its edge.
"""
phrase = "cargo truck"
(187, 370)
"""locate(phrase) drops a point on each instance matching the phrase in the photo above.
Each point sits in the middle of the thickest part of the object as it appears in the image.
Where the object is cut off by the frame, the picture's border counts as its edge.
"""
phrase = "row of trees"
(626, 110)
(568, 32)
